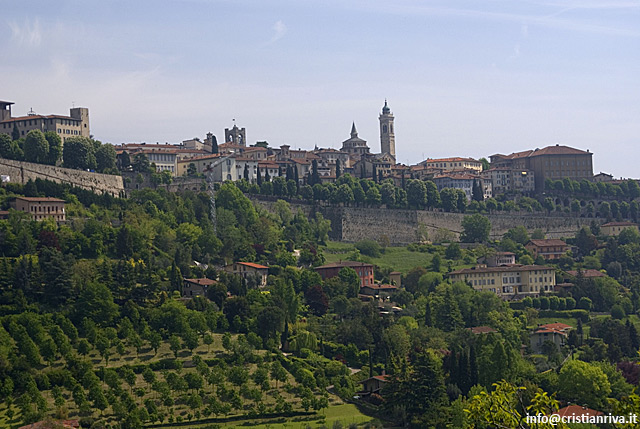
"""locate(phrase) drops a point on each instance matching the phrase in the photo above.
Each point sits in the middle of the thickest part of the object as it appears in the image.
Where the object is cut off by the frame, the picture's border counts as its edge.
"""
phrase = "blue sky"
(463, 78)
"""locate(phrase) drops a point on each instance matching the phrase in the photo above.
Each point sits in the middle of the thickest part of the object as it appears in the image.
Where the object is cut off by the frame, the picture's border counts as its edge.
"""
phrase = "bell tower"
(387, 134)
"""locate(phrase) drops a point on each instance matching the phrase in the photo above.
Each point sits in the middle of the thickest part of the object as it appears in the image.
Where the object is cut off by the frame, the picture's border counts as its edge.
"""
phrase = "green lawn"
(396, 258)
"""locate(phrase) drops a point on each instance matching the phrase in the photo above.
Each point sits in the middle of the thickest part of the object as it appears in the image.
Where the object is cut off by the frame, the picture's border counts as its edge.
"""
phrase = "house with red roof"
(555, 333)
(577, 411)
(549, 249)
(249, 271)
(364, 271)
(613, 229)
(196, 287)
(374, 384)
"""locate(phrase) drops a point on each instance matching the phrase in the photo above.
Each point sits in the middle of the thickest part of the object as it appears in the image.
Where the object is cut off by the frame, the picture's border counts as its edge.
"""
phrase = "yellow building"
(448, 164)
(76, 124)
(41, 207)
(613, 229)
(200, 162)
(509, 282)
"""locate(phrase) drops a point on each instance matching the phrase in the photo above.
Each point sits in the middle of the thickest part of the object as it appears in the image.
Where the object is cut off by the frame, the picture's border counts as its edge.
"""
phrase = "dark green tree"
(79, 152)
(475, 229)
(36, 147)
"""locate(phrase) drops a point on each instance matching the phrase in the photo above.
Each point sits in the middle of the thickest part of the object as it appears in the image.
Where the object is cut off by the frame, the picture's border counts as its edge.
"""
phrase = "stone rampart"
(352, 224)
(21, 172)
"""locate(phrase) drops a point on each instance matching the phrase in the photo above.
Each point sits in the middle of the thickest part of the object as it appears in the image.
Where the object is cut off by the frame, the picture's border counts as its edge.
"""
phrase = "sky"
(462, 77)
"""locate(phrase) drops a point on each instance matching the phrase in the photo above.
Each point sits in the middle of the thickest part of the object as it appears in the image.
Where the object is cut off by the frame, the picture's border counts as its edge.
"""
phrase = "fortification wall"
(21, 172)
(352, 224)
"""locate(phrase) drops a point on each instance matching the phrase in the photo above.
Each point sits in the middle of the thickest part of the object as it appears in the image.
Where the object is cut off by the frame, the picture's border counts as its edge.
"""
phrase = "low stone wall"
(21, 172)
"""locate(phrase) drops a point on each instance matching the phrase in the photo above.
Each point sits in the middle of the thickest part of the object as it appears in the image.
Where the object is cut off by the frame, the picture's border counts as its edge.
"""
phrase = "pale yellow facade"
(613, 229)
(508, 282)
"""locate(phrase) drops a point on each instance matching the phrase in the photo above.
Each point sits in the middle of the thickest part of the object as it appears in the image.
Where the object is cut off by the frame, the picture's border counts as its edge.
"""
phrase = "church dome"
(385, 109)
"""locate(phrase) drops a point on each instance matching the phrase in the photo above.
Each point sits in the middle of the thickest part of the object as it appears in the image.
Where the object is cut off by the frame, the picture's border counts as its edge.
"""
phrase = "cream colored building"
(249, 269)
(201, 163)
(41, 208)
(612, 229)
(76, 124)
(509, 282)
(448, 164)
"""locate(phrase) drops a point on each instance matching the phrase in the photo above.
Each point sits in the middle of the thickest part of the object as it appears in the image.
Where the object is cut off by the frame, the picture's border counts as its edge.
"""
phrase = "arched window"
(384, 129)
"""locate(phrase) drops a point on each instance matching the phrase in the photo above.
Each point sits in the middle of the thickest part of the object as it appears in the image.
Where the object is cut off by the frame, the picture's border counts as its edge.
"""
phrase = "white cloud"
(279, 31)
(28, 34)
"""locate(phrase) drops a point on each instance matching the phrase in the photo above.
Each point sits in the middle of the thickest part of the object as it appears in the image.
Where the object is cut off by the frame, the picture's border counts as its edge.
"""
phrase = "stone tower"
(387, 135)
(235, 135)
(82, 114)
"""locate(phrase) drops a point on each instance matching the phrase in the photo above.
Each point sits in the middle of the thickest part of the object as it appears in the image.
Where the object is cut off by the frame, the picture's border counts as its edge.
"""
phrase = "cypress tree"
(259, 177)
(338, 169)
(473, 367)
(214, 144)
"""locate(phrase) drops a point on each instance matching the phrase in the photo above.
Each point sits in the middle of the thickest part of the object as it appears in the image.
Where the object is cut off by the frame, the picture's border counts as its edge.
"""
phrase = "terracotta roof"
(549, 150)
(26, 118)
(41, 199)
(587, 273)
(199, 158)
(342, 264)
(383, 378)
(459, 176)
(557, 326)
(547, 242)
(620, 224)
(202, 281)
(501, 269)
(252, 265)
(559, 150)
(454, 159)
(380, 287)
(577, 410)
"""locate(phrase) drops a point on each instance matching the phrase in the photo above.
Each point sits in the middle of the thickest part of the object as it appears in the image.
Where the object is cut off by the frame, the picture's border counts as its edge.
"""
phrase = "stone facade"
(21, 172)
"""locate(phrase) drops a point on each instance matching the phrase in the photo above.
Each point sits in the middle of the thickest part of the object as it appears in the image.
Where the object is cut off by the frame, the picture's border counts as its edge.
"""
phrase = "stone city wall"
(352, 224)
(21, 172)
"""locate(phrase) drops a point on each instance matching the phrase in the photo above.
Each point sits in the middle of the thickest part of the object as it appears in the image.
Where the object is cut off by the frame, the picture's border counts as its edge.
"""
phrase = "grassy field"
(396, 258)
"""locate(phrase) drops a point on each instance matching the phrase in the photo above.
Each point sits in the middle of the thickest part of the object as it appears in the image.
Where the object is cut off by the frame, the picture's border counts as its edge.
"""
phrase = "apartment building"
(508, 282)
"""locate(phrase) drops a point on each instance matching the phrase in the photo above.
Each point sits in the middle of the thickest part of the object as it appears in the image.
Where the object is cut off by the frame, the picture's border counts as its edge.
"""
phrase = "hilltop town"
(207, 284)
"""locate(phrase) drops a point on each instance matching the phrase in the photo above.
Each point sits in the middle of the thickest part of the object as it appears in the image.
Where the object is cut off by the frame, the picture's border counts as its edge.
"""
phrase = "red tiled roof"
(559, 150)
(252, 265)
(577, 410)
(557, 326)
(26, 118)
(587, 273)
(459, 176)
(199, 158)
(202, 281)
(380, 287)
(547, 242)
(501, 269)
(41, 199)
(454, 159)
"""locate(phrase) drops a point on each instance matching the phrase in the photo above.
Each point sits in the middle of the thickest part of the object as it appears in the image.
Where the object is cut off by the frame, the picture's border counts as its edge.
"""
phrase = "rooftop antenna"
(73, 104)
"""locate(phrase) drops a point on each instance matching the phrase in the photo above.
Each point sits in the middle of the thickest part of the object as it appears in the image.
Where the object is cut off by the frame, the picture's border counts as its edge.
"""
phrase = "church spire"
(354, 132)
